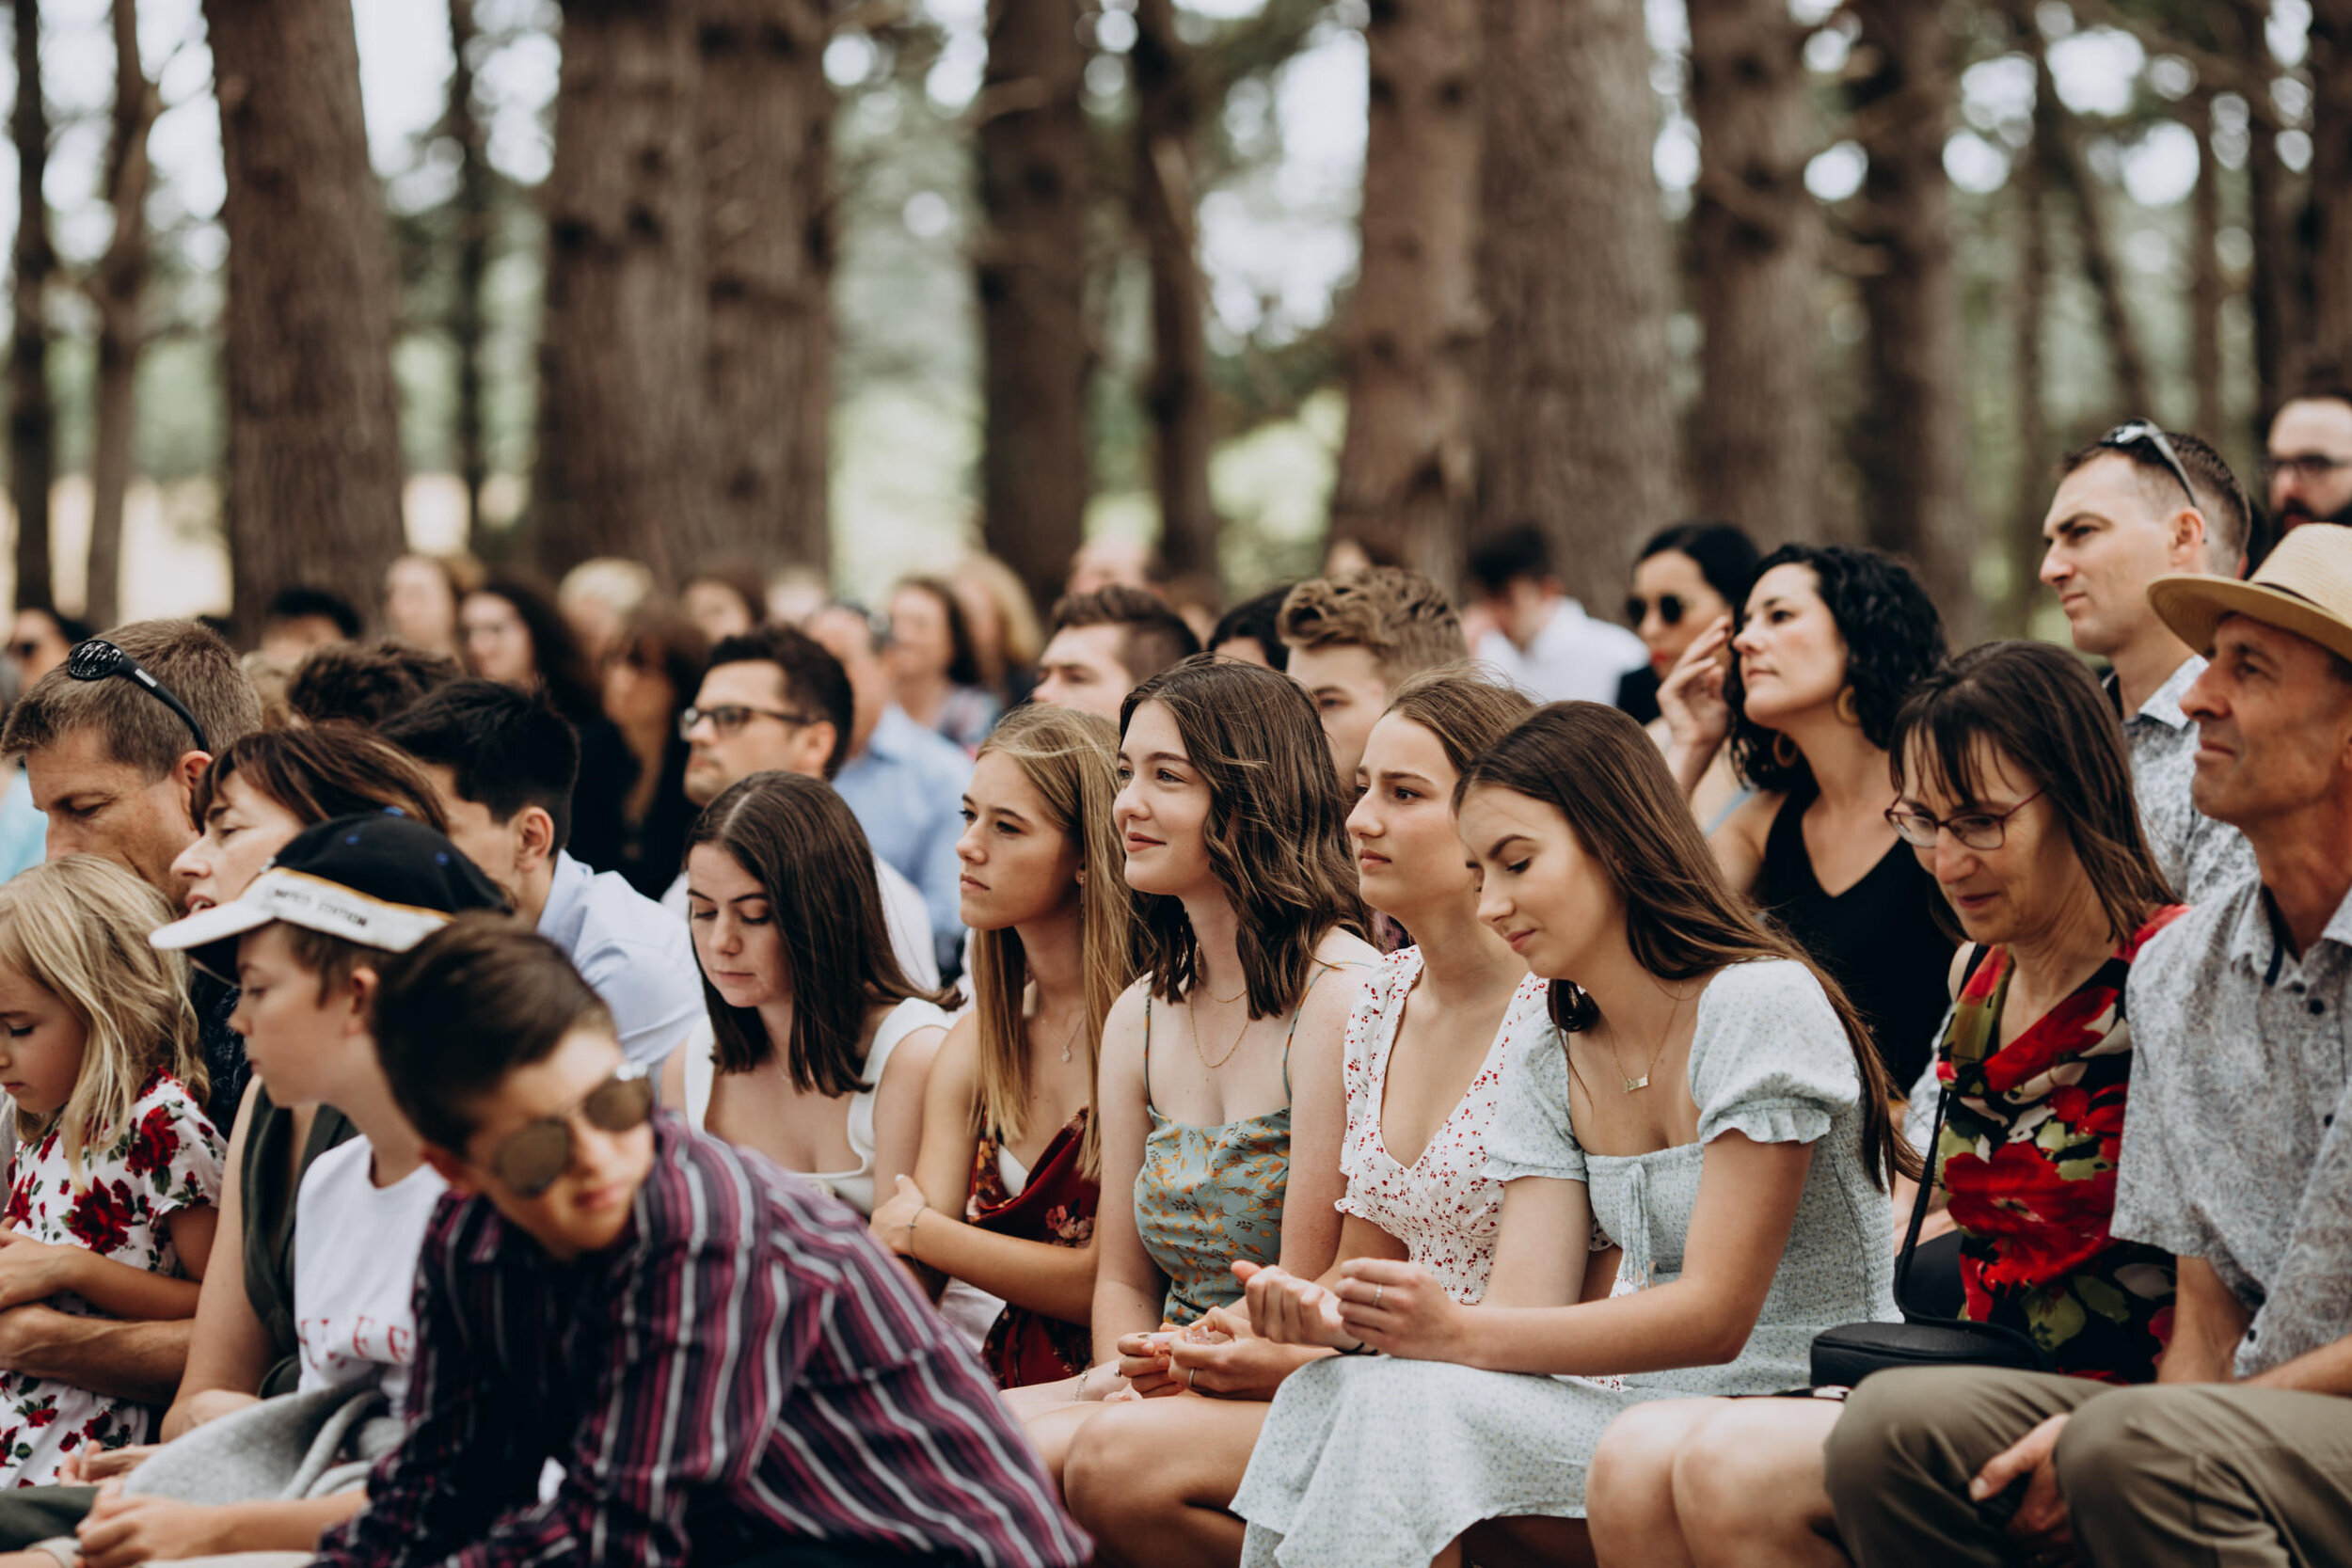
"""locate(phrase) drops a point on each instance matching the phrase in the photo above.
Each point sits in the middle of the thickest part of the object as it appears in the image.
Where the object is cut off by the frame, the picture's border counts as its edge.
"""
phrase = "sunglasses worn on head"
(99, 660)
(2146, 433)
(528, 1161)
(1670, 609)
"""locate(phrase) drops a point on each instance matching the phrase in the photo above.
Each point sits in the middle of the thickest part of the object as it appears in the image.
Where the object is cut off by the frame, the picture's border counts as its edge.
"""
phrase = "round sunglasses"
(528, 1161)
(1671, 609)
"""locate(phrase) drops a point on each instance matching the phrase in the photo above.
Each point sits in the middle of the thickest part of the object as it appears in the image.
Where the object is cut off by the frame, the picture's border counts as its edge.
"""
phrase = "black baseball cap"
(382, 880)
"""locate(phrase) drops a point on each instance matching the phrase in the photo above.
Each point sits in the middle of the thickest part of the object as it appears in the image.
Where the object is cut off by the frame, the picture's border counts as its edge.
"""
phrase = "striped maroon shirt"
(746, 1369)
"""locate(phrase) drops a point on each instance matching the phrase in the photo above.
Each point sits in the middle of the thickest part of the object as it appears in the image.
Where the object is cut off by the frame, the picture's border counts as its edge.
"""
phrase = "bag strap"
(1936, 1141)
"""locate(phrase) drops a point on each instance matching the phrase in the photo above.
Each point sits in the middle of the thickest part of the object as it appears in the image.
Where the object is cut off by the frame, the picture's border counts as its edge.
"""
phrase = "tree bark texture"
(1167, 150)
(476, 218)
(2206, 290)
(624, 431)
(1030, 269)
(767, 153)
(118, 289)
(2274, 286)
(1912, 441)
(2030, 317)
(32, 414)
(2331, 184)
(314, 459)
(1577, 277)
(1759, 435)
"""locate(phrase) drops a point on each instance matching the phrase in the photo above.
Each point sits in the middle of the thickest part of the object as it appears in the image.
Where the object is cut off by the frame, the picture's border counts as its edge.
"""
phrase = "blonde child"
(116, 1177)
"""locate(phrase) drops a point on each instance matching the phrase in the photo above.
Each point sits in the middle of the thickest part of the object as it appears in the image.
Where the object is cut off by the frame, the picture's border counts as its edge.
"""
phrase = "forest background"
(858, 284)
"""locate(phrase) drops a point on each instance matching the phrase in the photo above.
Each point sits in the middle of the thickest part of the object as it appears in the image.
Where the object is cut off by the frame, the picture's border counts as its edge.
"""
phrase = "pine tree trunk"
(1030, 268)
(1577, 277)
(1912, 448)
(315, 457)
(2206, 290)
(621, 463)
(119, 291)
(1168, 116)
(767, 152)
(32, 414)
(2277, 319)
(467, 317)
(2062, 153)
(2332, 184)
(2030, 316)
(1759, 434)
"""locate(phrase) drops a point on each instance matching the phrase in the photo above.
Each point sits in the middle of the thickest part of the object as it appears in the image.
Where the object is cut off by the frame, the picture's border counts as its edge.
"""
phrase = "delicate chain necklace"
(1627, 1082)
(1192, 1018)
(1068, 1040)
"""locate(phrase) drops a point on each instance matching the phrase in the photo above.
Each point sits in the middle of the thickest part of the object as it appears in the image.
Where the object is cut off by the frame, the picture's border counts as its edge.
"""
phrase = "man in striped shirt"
(722, 1364)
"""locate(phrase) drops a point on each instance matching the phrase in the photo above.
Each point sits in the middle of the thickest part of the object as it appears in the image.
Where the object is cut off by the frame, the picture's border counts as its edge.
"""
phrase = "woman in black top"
(1830, 642)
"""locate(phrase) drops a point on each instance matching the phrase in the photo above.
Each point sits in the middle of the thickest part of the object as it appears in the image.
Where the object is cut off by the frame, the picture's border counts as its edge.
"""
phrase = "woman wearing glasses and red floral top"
(2016, 795)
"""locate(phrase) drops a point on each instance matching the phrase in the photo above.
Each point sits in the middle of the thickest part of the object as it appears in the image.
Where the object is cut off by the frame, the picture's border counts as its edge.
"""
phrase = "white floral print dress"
(169, 1157)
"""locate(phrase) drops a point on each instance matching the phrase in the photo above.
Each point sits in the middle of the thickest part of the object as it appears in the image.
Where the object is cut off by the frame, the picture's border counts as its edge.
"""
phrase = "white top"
(354, 1278)
(855, 1186)
(639, 964)
(1443, 1207)
(903, 911)
(1573, 657)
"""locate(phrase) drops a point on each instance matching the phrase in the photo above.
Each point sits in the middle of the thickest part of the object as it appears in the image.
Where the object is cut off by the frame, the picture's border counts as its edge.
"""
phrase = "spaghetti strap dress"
(1053, 1203)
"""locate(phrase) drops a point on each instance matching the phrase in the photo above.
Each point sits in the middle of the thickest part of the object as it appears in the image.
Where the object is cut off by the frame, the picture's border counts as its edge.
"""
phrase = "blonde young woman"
(1220, 1100)
(1009, 1145)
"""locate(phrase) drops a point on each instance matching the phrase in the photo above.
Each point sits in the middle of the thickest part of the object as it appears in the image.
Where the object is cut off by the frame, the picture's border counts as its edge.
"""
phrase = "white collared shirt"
(1574, 657)
(635, 958)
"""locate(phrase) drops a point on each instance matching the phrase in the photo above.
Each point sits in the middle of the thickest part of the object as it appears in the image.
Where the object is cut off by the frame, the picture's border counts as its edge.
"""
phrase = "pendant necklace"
(1627, 1082)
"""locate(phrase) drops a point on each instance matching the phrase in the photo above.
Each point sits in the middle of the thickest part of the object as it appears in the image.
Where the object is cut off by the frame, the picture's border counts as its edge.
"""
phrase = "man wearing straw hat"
(2232, 1159)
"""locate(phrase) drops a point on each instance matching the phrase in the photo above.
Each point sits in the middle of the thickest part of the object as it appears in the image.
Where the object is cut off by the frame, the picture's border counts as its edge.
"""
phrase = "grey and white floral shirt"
(2198, 855)
(2235, 1149)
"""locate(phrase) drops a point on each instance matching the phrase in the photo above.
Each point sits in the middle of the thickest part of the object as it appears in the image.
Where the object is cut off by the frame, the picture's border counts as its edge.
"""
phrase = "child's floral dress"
(169, 1157)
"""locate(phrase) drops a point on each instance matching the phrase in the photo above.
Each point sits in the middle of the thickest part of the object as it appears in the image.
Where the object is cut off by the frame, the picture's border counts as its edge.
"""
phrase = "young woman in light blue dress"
(1710, 1101)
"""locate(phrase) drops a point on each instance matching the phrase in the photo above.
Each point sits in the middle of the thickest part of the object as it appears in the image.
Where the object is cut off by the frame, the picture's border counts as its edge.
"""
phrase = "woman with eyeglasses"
(1830, 642)
(817, 1049)
(2016, 795)
(1687, 578)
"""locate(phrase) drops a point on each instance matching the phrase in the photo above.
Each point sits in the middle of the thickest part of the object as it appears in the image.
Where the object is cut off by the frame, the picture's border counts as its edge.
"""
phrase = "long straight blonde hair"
(1070, 760)
(77, 928)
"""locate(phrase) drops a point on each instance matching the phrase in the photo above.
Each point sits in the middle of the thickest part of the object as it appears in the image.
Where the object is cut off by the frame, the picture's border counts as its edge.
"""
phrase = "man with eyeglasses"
(2137, 504)
(2307, 461)
(772, 701)
(720, 1363)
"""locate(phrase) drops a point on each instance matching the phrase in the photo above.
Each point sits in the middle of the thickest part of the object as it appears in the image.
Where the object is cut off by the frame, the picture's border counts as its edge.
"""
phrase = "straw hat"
(2305, 587)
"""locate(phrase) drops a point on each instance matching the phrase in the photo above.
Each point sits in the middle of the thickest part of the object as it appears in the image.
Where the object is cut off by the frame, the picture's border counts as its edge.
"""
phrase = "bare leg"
(1749, 1488)
(1526, 1541)
(1054, 1431)
(1154, 1480)
(1629, 1495)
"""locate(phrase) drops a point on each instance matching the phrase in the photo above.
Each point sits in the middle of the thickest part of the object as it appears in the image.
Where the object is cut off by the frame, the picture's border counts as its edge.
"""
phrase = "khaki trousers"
(2193, 1475)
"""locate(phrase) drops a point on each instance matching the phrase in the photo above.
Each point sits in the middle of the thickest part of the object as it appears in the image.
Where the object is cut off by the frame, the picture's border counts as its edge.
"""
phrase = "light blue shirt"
(24, 831)
(907, 789)
(635, 957)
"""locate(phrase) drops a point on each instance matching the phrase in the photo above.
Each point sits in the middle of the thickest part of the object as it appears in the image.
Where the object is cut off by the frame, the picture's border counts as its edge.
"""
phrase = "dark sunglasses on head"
(528, 1161)
(2146, 433)
(99, 660)
(1670, 609)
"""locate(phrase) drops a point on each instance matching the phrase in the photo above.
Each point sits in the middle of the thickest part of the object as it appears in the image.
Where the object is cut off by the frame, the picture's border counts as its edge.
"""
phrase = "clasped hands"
(1383, 1303)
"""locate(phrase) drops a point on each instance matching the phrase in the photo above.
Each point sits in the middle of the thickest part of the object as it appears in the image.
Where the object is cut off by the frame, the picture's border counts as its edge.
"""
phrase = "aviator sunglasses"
(527, 1159)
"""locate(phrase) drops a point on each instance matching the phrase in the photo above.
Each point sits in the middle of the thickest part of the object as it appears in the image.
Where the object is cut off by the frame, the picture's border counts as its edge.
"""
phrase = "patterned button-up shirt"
(746, 1369)
(2199, 856)
(2235, 1149)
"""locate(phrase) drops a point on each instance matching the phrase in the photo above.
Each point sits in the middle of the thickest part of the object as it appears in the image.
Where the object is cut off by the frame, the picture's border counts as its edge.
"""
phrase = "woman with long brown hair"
(1010, 1148)
(1710, 1103)
(818, 1047)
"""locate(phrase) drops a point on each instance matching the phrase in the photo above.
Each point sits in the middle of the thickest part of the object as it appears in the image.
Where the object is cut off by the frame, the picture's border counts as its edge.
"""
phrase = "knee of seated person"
(2110, 1442)
(1635, 1456)
(1884, 1417)
(1734, 1464)
(1111, 1479)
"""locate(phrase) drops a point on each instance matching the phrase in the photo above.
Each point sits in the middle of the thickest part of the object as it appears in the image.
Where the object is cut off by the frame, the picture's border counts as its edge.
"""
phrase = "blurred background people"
(726, 599)
(1687, 578)
(934, 669)
(420, 597)
(649, 675)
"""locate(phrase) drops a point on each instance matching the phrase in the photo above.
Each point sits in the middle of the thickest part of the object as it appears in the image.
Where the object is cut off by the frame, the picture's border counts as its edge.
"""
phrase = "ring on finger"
(1189, 1373)
(1377, 1291)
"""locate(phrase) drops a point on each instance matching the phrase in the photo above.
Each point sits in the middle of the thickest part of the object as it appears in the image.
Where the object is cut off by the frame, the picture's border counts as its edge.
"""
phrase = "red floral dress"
(2028, 1154)
(1056, 1207)
(169, 1157)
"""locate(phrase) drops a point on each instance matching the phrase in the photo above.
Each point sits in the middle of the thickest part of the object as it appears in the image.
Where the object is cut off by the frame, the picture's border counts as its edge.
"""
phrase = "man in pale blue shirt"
(905, 783)
(503, 765)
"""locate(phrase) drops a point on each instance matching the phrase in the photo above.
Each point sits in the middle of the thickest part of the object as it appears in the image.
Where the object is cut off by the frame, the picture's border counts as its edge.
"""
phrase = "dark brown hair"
(1277, 829)
(189, 657)
(2042, 711)
(324, 772)
(799, 840)
(1602, 772)
(1465, 707)
(367, 685)
(963, 660)
(1155, 636)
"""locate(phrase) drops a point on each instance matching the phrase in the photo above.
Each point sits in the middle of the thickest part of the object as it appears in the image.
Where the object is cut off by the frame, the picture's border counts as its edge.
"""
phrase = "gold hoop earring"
(1847, 709)
(1784, 752)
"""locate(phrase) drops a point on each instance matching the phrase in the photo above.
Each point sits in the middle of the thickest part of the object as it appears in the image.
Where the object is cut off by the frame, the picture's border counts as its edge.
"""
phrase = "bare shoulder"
(957, 1060)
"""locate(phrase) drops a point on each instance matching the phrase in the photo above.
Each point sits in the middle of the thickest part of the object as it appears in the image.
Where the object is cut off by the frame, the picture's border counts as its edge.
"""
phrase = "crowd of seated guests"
(1369, 1118)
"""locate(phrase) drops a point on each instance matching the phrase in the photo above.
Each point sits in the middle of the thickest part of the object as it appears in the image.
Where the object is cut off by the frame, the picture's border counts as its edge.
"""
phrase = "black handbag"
(1844, 1355)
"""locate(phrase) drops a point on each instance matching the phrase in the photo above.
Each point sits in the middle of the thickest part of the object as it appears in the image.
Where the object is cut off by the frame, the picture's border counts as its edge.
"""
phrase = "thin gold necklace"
(1192, 1018)
(1627, 1084)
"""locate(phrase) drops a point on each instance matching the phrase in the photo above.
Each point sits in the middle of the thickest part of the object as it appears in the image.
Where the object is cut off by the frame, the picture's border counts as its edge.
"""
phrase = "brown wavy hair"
(322, 771)
(1277, 829)
(1602, 771)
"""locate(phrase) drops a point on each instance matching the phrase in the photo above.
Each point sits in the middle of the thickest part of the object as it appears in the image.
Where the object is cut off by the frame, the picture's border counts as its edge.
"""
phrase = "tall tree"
(1030, 267)
(1912, 442)
(1408, 466)
(2207, 292)
(622, 448)
(2029, 318)
(32, 415)
(314, 458)
(1759, 436)
(1576, 274)
(2275, 287)
(766, 125)
(2058, 148)
(118, 289)
(1167, 126)
(2331, 182)
(476, 217)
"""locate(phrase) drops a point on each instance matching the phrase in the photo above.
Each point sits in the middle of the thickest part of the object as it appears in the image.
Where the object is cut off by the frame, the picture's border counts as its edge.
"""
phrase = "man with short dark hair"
(2307, 457)
(1542, 640)
(503, 764)
(2131, 507)
(1252, 631)
(1102, 645)
(301, 620)
(774, 700)
(366, 686)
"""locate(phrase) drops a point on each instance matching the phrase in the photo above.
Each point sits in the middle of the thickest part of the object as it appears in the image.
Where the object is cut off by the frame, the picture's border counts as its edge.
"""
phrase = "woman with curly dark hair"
(1830, 642)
